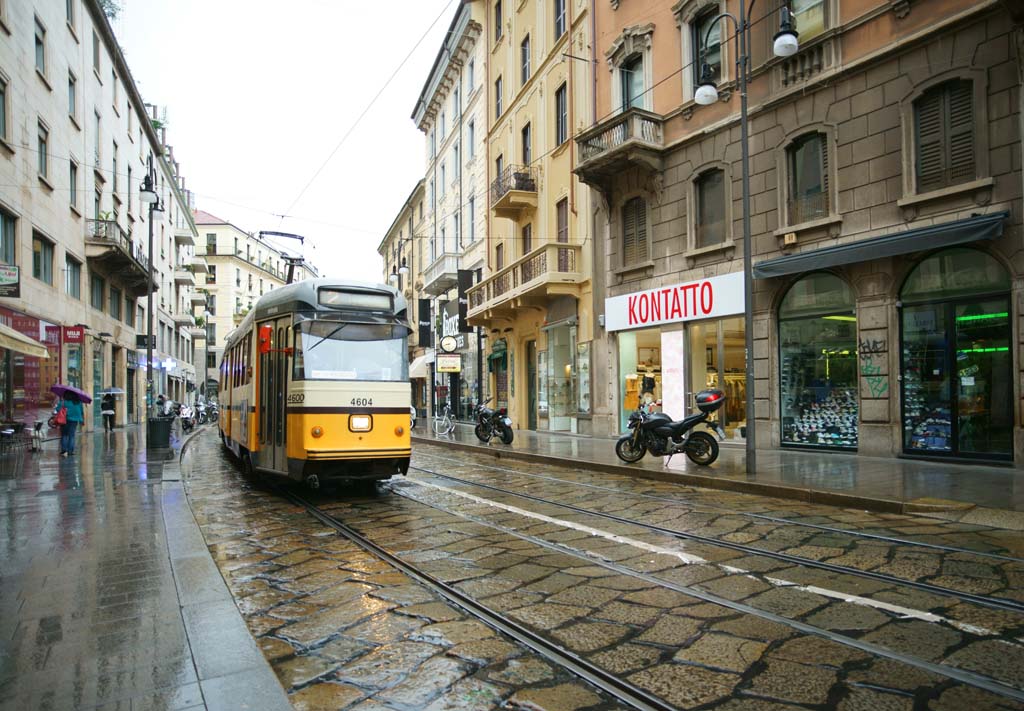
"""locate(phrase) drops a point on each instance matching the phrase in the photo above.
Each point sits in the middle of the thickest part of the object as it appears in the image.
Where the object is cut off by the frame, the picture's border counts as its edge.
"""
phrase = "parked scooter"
(201, 413)
(492, 423)
(188, 418)
(658, 434)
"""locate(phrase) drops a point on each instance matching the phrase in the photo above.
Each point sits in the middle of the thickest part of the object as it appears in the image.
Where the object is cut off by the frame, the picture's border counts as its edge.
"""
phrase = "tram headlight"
(359, 423)
(317, 431)
(399, 431)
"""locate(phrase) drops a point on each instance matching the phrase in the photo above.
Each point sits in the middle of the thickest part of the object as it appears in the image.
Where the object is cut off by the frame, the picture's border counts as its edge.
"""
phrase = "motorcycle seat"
(679, 426)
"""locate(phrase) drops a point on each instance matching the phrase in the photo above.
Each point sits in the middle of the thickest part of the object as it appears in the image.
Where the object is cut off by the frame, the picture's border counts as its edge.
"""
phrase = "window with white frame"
(497, 97)
(561, 115)
(524, 60)
(42, 150)
(707, 45)
(40, 47)
(559, 6)
(73, 183)
(631, 59)
(471, 75)
(72, 95)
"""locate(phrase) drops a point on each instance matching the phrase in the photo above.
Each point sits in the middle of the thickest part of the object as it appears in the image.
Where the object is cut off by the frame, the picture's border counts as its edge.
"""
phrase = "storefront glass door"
(717, 360)
(957, 387)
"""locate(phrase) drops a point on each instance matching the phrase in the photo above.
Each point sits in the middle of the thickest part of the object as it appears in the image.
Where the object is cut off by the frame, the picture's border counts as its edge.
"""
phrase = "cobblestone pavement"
(694, 624)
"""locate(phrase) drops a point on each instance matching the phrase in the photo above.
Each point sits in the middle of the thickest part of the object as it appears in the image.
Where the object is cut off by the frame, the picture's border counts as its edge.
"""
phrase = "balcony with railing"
(107, 244)
(198, 333)
(514, 190)
(198, 264)
(197, 299)
(634, 138)
(442, 274)
(183, 319)
(550, 270)
(183, 275)
(183, 236)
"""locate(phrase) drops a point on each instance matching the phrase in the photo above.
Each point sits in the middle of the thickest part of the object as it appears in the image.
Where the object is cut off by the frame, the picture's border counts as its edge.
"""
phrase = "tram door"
(273, 383)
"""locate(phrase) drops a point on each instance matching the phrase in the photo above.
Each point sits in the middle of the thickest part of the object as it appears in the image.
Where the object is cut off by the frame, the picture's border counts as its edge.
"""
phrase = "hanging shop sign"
(465, 280)
(74, 334)
(10, 281)
(450, 324)
(449, 363)
(714, 297)
(423, 322)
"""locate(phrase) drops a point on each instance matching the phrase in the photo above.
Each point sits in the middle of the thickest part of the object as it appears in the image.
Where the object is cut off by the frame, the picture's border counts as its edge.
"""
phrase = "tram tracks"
(701, 506)
(623, 689)
(997, 603)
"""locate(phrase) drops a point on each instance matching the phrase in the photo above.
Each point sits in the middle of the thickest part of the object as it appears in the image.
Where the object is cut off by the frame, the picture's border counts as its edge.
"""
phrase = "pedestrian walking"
(70, 410)
(107, 410)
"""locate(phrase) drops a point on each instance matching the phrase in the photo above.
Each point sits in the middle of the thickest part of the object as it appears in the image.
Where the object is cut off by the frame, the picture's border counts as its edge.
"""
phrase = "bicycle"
(444, 424)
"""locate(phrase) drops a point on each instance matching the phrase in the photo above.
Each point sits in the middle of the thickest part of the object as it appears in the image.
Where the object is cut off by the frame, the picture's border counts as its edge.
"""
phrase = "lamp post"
(147, 195)
(206, 354)
(785, 45)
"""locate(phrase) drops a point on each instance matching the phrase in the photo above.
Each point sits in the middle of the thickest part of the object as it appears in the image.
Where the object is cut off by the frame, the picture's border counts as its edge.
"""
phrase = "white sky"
(258, 94)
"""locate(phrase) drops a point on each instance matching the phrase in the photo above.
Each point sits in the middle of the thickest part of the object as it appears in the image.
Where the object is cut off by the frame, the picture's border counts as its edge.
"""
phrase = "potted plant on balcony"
(522, 180)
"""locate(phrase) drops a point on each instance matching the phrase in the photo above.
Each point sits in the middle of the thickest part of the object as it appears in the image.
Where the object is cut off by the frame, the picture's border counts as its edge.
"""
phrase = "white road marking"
(690, 559)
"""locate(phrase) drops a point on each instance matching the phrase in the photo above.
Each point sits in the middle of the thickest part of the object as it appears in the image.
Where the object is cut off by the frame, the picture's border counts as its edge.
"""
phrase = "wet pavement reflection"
(89, 615)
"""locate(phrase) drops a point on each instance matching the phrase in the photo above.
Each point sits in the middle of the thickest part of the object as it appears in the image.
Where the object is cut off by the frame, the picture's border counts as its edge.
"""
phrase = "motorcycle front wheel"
(506, 435)
(627, 451)
(702, 448)
(482, 432)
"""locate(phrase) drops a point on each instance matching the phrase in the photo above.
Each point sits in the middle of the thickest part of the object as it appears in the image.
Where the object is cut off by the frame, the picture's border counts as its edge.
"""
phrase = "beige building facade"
(449, 242)
(241, 268)
(885, 178)
(536, 299)
(77, 139)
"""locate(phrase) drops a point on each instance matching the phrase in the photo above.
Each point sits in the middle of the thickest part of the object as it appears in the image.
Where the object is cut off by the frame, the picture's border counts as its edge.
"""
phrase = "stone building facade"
(886, 186)
(76, 140)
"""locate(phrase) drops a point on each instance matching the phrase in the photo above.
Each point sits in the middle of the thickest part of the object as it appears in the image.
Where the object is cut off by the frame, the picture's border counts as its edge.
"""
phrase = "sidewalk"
(108, 595)
(981, 494)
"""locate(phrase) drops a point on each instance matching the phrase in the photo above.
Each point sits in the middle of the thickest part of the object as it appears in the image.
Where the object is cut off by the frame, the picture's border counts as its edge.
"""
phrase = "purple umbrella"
(62, 390)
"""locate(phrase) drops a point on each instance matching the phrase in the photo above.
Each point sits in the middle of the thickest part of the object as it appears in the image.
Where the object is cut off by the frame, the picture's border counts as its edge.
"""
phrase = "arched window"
(818, 363)
(634, 232)
(956, 358)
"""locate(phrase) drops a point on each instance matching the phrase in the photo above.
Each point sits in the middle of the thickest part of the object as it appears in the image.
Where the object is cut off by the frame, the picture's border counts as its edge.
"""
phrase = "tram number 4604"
(361, 401)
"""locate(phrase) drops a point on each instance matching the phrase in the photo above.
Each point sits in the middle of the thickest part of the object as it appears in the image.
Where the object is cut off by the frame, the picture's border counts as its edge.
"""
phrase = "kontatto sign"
(706, 298)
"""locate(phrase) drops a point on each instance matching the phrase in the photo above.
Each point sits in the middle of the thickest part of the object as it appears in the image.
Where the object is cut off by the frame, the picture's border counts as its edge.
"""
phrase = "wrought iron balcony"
(442, 274)
(514, 190)
(550, 270)
(633, 138)
(107, 244)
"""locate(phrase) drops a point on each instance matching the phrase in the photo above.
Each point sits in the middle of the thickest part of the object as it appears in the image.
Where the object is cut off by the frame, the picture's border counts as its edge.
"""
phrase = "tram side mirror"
(266, 334)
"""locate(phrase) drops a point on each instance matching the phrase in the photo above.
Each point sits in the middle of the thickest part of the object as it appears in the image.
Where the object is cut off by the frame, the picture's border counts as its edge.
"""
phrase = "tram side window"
(248, 359)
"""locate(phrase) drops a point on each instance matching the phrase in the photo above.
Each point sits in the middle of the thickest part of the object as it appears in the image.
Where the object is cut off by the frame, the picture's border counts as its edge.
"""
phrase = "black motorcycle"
(658, 434)
(492, 423)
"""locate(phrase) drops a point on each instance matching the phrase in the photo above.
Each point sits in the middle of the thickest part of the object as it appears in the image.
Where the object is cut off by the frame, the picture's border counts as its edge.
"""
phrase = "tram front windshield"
(329, 350)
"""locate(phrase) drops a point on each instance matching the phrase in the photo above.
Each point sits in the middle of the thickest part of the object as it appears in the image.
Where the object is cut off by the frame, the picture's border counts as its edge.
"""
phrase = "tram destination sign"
(714, 297)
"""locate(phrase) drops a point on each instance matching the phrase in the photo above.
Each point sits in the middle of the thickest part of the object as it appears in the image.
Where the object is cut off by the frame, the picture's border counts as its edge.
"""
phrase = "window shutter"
(961, 132)
(929, 137)
(629, 233)
(825, 197)
(641, 230)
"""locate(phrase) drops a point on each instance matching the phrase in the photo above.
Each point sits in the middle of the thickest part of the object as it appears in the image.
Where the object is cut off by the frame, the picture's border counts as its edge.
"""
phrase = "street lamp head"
(393, 277)
(706, 93)
(404, 269)
(146, 194)
(157, 208)
(786, 43)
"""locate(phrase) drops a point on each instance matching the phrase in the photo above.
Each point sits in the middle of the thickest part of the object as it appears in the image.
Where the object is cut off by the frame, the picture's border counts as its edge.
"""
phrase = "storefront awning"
(418, 369)
(947, 234)
(497, 361)
(19, 343)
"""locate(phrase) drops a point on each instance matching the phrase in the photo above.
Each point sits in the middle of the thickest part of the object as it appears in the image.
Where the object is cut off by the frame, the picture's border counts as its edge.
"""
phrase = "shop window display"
(818, 364)
(956, 360)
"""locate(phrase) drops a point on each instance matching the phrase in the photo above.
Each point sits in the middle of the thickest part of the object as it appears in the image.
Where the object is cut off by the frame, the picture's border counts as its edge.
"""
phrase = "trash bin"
(159, 432)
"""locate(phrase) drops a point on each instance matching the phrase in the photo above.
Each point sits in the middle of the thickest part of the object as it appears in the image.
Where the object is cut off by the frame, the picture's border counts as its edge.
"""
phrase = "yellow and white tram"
(314, 383)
